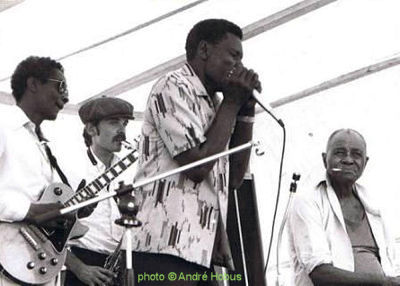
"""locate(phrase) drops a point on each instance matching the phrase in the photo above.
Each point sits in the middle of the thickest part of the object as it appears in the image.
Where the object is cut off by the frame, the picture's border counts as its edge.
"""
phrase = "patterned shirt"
(179, 216)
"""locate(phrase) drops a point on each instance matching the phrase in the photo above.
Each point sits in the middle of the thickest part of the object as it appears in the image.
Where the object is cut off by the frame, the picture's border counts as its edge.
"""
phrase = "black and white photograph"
(199, 142)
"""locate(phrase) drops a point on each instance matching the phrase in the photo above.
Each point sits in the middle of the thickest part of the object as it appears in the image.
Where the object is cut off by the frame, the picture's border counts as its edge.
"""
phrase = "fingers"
(107, 272)
(96, 275)
(246, 78)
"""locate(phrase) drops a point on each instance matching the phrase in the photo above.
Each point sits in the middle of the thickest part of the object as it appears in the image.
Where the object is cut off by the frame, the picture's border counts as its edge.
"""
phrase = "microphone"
(255, 96)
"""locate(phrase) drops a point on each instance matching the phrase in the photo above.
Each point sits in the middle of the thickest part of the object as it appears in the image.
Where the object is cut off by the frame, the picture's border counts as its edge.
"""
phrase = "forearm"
(73, 263)
(217, 138)
(242, 134)
(327, 274)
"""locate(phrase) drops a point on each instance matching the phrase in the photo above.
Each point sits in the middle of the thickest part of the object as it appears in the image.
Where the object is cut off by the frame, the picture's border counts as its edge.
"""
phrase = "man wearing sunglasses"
(39, 88)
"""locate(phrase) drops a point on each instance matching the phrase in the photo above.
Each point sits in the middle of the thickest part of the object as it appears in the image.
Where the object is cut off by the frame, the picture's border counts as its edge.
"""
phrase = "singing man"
(184, 216)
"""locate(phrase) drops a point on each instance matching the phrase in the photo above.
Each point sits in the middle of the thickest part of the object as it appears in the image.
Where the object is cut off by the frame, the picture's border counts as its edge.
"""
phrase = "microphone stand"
(292, 190)
(59, 212)
(128, 209)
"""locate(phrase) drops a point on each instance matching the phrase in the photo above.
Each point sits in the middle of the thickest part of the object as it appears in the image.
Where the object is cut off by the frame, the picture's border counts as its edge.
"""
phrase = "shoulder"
(310, 196)
(172, 81)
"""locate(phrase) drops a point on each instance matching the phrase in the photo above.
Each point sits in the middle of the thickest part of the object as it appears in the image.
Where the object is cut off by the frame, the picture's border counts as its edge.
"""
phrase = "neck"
(342, 189)
(28, 109)
(198, 67)
(104, 155)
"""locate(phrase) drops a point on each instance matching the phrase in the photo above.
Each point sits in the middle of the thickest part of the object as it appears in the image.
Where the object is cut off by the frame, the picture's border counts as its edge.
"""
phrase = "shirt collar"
(20, 119)
(359, 190)
(95, 160)
(198, 86)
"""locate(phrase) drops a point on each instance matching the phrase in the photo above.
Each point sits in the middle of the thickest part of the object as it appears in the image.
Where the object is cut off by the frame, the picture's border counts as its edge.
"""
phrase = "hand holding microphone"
(239, 87)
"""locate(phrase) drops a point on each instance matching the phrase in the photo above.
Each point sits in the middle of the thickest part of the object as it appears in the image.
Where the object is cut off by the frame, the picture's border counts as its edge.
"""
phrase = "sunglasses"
(62, 85)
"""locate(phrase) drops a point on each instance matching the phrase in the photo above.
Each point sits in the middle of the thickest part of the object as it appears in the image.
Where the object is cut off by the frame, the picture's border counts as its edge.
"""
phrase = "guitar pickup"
(29, 238)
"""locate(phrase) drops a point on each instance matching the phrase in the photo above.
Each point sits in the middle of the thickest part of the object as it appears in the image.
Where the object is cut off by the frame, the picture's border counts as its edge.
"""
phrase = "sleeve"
(306, 229)
(176, 117)
(13, 205)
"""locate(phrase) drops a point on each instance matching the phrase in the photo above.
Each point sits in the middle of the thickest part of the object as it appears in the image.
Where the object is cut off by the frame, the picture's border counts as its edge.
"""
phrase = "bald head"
(347, 131)
(346, 155)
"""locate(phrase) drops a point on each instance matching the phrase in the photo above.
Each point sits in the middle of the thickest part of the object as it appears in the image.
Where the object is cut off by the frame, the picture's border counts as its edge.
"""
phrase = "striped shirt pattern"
(179, 217)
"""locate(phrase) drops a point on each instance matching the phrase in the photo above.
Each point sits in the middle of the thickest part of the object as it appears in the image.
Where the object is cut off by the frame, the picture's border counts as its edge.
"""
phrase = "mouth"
(119, 138)
(59, 105)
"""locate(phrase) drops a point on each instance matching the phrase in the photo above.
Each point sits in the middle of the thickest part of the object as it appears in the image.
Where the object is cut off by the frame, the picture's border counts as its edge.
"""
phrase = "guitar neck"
(102, 181)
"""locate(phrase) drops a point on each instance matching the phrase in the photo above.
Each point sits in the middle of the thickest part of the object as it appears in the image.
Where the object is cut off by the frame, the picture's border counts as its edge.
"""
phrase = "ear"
(324, 159)
(203, 50)
(32, 84)
(366, 161)
(91, 129)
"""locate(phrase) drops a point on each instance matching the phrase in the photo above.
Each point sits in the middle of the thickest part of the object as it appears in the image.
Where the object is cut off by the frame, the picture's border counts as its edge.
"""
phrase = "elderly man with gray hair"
(337, 235)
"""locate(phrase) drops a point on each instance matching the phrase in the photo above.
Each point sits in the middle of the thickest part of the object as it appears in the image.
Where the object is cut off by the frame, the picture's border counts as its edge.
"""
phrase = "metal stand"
(293, 187)
(128, 219)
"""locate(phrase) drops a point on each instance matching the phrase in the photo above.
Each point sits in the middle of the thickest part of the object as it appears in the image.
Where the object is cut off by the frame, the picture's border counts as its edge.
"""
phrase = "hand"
(85, 211)
(94, 275)
(239, 86)
(61, 222)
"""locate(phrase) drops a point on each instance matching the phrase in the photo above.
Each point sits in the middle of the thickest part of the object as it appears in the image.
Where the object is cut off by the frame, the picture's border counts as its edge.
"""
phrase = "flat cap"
(105, 107)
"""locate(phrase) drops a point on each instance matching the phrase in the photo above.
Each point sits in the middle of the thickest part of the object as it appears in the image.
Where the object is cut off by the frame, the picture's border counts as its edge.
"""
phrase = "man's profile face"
(48, 98)
(346, 152)
(110, 133)
(222, 58)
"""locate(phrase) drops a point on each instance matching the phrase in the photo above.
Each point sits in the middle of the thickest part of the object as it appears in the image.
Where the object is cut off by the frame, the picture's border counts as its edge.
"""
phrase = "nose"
(238, 64)
(348, 159)
(64, 97)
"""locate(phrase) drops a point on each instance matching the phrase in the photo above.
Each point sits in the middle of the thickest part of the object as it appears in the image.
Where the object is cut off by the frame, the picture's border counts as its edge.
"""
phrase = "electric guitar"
(33, 254)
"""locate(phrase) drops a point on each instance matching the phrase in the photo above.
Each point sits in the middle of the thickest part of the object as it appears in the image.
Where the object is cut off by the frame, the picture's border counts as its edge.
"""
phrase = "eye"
(340, 152)
(357, 154)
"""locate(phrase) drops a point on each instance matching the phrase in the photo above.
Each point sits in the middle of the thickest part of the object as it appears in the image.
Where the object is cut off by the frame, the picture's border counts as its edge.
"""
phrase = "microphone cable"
(280, 122)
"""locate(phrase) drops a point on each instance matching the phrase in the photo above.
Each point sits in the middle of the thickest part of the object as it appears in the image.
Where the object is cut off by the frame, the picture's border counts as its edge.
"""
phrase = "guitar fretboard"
(102, 181)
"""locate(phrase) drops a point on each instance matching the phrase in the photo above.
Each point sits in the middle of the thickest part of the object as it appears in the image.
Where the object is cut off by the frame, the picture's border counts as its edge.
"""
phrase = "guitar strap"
(52, 158)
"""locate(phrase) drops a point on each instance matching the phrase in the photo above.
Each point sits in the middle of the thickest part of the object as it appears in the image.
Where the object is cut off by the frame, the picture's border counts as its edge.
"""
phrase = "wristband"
(246, 119)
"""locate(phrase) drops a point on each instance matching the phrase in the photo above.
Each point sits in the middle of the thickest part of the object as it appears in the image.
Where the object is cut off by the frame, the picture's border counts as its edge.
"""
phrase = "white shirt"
(24, 167)
(103, 235)
(318, 235)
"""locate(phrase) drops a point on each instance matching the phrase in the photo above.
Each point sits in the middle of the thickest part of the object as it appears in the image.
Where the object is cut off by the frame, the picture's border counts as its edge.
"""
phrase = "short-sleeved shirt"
(179, 216)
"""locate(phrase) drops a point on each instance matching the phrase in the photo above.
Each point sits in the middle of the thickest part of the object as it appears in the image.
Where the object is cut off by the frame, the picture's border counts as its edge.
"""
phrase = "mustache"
(119, 137)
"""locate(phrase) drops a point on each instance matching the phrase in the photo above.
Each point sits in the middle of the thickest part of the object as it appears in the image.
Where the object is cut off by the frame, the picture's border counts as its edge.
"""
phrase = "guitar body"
(33, 254)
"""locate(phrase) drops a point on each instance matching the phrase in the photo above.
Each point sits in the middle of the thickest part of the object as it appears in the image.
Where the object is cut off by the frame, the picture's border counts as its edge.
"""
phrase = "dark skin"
(219, 68)
(43, 101)
(347, 153)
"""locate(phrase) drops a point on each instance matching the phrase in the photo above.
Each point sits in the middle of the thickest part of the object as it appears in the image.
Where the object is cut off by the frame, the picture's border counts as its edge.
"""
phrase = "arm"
(237, 92)
(217, 138)
(90, 275)
(242, 134)
(311, 246)
(327, 274)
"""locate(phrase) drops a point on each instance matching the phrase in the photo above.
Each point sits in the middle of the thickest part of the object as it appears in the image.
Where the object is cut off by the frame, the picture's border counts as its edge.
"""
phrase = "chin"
(52, 116)
(117, 149)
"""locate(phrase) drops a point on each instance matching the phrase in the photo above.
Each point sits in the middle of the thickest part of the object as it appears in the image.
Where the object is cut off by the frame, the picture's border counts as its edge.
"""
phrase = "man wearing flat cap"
(105, 121)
